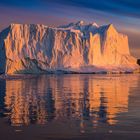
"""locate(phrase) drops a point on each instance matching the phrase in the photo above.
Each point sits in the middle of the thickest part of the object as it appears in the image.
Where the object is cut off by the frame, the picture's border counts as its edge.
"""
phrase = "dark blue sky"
(124, 14)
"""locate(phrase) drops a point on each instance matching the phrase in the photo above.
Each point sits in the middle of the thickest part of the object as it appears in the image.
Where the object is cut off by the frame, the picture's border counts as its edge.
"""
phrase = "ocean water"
(69, 106)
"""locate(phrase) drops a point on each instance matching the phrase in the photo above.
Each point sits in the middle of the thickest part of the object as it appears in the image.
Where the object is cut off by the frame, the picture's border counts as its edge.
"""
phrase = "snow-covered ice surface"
(76, 47)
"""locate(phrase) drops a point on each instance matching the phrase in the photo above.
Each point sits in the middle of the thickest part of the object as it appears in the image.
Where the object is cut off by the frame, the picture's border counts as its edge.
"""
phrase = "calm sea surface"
(70, 106)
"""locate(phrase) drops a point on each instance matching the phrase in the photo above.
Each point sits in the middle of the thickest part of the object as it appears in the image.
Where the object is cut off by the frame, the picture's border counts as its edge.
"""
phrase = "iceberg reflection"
(89, 98)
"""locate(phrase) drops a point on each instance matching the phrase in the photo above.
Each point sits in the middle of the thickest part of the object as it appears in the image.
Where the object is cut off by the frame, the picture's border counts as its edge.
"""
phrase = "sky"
(124, 14)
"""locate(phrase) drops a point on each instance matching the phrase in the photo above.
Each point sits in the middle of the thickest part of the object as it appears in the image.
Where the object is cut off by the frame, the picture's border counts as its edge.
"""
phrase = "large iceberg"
(76, 47)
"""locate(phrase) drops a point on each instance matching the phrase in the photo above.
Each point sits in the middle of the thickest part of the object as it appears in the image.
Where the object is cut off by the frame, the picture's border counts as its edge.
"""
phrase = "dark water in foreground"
(70, 106)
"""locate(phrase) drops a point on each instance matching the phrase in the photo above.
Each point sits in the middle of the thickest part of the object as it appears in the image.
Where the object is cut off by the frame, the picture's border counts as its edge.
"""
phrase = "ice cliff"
(77, 47)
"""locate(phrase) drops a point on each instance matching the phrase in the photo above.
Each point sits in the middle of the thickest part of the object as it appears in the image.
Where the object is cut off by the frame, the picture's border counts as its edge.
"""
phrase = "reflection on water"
(94, 98)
